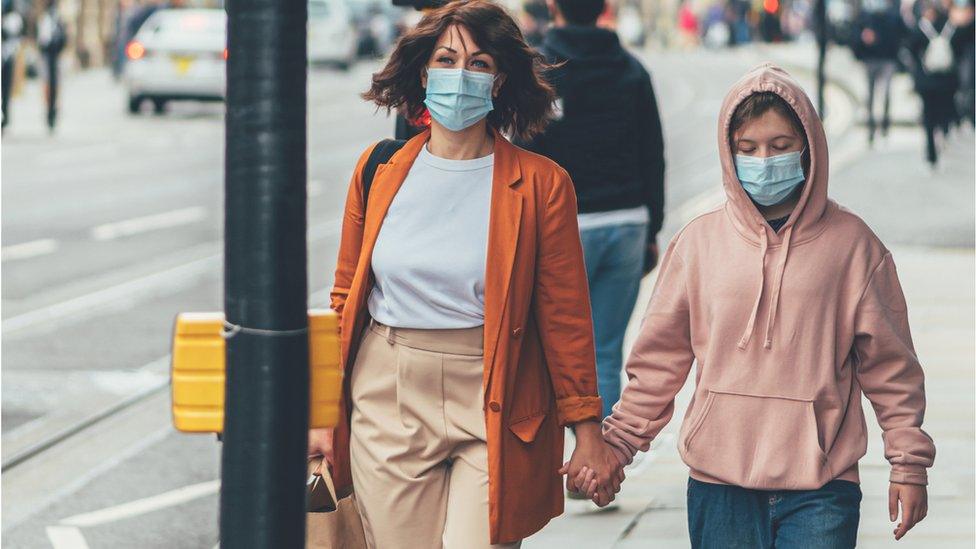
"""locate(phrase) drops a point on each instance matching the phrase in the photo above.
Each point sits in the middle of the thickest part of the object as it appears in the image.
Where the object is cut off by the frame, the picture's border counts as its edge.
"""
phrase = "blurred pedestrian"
(688, 27)
(607, 135)
(962, 17)
(935, 74)
(717, 33)
(13, 29)
(739, 17)
(466, 333)
(535, 21)
(878, 35)
(126, 10)
(51, 40)
(791, 309)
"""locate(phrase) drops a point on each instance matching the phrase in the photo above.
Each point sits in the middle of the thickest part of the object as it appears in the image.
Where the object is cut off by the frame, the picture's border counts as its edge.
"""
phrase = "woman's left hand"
(593, 469)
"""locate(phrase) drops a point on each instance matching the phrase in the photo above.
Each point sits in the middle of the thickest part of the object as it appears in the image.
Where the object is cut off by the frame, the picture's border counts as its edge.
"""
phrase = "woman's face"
(456, 49)
(770, 134)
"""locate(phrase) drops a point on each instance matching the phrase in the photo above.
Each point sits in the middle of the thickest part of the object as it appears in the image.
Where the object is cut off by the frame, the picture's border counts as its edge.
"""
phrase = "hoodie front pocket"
(757, 442)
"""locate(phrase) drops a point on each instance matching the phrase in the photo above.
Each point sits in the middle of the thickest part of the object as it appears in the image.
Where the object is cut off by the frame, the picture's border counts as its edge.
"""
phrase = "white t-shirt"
(430, 255)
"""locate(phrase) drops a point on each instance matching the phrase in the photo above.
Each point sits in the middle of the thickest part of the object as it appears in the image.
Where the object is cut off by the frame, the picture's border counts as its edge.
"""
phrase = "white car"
(178, 54)
(332, 38)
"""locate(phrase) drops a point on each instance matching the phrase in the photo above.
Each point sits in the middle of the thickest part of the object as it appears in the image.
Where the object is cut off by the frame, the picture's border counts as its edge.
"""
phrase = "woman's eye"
(747, 151)
(477, 63)
(445, 60)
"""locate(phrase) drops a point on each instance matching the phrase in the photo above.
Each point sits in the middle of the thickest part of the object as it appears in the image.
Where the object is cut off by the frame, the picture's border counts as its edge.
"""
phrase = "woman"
(466, 332)
(792, 309)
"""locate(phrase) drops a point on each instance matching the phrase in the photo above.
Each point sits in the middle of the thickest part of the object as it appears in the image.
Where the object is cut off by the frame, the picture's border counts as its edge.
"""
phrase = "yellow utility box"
(199, 365)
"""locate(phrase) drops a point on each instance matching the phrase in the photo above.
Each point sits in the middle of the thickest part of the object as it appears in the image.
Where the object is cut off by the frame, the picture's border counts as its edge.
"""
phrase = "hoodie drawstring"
(776, 289)
(747, 334)
(777, 286)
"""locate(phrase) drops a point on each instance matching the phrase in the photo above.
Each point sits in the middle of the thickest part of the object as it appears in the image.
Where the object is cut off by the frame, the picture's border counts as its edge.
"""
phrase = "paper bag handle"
(326, 476)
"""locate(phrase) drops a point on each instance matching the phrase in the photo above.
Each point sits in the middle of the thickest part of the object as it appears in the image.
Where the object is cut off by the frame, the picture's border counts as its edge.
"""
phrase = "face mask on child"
(457, 98)
(769, 181)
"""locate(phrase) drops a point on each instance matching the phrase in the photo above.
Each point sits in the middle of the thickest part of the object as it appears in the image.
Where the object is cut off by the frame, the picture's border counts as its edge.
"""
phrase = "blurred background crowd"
(889, 36)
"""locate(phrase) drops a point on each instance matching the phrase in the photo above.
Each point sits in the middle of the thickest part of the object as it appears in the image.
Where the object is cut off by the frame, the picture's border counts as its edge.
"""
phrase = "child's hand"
(602, 493)
(914, 506)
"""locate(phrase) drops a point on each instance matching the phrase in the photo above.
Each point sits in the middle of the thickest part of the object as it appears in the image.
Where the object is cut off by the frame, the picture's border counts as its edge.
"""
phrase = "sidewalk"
(927, 222)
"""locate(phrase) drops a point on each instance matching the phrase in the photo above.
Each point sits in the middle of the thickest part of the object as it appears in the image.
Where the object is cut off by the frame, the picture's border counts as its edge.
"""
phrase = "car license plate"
(183, 63)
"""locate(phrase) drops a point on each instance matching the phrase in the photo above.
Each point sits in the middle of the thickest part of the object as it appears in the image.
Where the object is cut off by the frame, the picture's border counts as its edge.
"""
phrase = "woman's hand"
(914, 501)
(320, 443)
(593, 468)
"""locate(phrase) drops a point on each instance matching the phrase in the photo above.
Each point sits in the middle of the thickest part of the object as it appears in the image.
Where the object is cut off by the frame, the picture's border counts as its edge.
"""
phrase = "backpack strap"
(381, 154)
(948, 30)
(927, 29)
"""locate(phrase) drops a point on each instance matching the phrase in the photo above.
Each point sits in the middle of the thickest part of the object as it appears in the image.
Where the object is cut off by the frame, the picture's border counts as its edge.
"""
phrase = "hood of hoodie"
(584, 45)
(807, 218)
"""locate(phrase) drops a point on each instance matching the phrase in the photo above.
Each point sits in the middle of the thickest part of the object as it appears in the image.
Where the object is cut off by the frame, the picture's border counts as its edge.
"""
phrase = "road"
(112, 226)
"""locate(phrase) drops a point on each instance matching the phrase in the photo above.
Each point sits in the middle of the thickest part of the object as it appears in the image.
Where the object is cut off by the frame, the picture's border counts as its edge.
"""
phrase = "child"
(792, 309)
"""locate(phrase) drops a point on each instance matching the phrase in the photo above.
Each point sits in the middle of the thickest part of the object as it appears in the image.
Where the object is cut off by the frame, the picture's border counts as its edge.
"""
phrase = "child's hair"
(757, 105)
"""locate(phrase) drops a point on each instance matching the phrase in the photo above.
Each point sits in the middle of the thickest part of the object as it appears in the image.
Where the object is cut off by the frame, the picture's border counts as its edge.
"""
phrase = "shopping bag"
(333, 520)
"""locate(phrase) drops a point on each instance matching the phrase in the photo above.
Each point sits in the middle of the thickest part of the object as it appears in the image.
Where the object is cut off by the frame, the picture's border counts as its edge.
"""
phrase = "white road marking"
(30, 249)
(66, 537)
(145, 505)
(85, 303)
(165, 220)
(126, 293)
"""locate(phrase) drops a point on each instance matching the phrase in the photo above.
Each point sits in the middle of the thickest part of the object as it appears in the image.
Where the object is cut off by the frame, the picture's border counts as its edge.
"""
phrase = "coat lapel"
(503, 231)
(386, 183)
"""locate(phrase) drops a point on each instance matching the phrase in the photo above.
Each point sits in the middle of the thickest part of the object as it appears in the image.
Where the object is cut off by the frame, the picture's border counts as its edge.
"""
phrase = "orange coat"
(539, 359)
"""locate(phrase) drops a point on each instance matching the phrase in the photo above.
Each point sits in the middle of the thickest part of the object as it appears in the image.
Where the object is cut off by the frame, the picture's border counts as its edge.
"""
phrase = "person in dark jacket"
(13, 29)
(877, 38)
(936, 79)
(51, 41)
(607, 135)
(962, 16)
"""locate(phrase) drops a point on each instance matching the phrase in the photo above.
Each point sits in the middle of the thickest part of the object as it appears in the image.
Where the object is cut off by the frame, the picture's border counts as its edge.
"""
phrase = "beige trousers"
(419, 458)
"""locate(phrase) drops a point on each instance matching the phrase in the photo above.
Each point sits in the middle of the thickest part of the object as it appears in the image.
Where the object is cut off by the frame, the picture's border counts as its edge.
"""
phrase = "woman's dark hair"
(581, 12)
(759, 104)
(524, 102)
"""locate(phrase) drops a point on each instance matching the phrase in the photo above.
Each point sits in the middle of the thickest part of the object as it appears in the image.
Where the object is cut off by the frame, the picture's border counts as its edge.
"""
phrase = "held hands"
(914, 501)
(593, 469)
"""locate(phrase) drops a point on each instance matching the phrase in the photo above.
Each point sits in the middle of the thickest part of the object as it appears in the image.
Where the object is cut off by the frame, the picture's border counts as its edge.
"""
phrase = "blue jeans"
(614, 259)
(732, 517)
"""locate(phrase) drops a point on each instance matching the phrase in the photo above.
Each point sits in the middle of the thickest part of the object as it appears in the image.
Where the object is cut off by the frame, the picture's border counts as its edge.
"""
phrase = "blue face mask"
(458, 98)
(769, 181)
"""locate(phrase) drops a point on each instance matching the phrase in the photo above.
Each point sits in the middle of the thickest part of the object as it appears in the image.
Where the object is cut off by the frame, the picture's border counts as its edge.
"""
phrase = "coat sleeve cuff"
(909, 474)
(575, 409)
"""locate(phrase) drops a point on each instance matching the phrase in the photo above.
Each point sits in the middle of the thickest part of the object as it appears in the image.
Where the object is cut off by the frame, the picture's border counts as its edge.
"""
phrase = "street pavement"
(112, 225)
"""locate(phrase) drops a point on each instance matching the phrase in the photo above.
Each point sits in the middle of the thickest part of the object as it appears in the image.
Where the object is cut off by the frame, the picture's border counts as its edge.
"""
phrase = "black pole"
(265, 282)
(820, 21)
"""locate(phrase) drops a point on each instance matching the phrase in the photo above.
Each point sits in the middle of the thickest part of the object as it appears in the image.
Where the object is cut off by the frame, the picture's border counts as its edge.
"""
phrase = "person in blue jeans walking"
(607, 135)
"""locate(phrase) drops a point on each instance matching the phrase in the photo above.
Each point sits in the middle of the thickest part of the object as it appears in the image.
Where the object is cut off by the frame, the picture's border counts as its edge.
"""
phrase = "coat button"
(495, 407)
(517, 333)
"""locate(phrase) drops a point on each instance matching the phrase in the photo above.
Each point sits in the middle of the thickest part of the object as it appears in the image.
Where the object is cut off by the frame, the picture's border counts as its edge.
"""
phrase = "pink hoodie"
(787, 330)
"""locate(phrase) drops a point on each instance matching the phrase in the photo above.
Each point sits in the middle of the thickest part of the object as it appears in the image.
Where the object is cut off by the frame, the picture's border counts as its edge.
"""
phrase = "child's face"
(770, 134)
